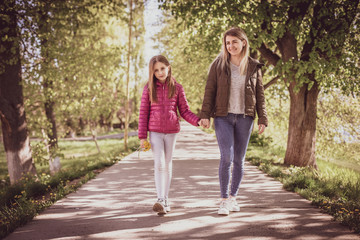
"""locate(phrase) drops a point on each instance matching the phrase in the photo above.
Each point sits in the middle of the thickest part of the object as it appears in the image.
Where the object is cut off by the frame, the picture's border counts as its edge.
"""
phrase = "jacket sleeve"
(184, 109)
(260, 100)
(208, 105)
(144, 114)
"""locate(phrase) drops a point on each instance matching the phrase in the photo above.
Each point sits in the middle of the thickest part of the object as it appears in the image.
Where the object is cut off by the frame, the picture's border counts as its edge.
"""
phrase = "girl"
(233, 94)
(161, 98)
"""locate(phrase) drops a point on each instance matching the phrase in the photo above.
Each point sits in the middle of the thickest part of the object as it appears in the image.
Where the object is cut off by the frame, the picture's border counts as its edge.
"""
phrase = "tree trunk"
(94, 137)
(302, 126)
(54, 161)
(48, 84)
(12, 112)
(128, 80)
(50, 116)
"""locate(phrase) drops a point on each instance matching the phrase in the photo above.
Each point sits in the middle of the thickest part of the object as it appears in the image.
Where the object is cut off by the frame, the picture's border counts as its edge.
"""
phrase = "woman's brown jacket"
(217, 92)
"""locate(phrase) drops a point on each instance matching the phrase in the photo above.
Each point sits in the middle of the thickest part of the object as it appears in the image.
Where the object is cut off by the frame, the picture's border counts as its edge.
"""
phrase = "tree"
(128, 76)
(72, 55)
(137, 50)
(134, 57)
(12, 112)
(44, 30)
(310, 45)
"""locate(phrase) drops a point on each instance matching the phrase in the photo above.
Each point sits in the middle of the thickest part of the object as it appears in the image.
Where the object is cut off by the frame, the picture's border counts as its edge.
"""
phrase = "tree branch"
(271, 82)
(269, 55)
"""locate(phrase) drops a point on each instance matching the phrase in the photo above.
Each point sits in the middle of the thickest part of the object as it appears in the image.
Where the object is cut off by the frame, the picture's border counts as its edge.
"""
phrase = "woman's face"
(234, 45)
(161, 71)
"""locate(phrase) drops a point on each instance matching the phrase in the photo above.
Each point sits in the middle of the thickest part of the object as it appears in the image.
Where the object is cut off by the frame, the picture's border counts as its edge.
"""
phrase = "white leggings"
(162, 146)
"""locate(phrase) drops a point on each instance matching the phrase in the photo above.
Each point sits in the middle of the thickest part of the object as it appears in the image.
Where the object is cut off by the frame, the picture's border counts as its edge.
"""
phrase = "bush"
(259, 140)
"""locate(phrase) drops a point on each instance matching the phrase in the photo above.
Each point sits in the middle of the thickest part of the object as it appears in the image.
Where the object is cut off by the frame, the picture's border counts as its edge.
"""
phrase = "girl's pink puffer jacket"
(162, 116)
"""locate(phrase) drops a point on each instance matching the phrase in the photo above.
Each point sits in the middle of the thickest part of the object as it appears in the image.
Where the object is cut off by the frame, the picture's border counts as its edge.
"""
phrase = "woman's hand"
(205, 123)
(261, 128)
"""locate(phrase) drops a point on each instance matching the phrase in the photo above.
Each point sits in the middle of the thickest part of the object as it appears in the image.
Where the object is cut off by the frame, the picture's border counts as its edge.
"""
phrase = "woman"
(234, 93)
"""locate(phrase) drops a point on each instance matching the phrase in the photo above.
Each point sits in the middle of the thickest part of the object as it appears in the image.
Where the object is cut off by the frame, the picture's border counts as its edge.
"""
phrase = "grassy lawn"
(76, 154)
(80, 162)
(347, 157)
(333, 187)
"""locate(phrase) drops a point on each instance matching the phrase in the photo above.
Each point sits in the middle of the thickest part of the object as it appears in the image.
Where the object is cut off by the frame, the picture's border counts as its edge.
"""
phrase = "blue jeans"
(233, 134)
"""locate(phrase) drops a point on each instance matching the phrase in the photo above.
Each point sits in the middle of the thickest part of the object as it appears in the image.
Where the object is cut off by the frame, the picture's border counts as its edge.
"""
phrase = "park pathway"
(117, 204)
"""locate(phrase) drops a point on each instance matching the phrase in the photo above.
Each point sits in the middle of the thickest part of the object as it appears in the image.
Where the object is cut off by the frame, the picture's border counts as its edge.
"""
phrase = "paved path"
(117, 204)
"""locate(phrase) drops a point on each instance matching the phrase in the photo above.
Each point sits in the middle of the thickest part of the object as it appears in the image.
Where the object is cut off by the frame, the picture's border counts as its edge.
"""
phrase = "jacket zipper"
(163, 105)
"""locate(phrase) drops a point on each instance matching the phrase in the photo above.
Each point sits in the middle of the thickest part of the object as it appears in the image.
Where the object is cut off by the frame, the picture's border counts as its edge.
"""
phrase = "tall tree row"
(134, 57)
(130, 23)
(309, 45)
(73, 56)
(12, 112)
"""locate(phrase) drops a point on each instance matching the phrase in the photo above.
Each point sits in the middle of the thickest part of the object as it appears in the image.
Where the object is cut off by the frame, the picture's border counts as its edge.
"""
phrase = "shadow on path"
(117, 204)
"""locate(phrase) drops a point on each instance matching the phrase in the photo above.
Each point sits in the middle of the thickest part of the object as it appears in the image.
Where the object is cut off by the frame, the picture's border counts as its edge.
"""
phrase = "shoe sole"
(223, 213)
(159, 208)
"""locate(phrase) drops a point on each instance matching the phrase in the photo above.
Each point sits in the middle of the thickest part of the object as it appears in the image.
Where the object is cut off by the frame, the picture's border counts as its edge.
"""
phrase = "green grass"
(342, 154)
(80, 162)
(75, 154)
(332, 188)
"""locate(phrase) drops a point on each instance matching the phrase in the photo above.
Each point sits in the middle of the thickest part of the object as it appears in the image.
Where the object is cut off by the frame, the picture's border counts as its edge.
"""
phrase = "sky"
(151, 16)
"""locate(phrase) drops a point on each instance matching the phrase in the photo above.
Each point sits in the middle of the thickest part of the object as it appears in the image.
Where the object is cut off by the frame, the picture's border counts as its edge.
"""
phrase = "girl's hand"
(261, 128)
(142, 143)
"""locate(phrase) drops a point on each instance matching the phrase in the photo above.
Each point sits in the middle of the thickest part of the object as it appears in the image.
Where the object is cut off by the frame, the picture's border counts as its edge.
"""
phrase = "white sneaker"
(224, 208)
(159, 207)
(167, 205)
(233, 205)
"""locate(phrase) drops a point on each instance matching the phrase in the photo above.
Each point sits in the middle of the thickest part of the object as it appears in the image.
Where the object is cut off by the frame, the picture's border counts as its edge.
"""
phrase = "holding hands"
(205, 123)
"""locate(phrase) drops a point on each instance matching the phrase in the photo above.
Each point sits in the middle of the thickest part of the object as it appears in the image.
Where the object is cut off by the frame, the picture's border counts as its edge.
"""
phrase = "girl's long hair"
(224, 56)
(152, 79)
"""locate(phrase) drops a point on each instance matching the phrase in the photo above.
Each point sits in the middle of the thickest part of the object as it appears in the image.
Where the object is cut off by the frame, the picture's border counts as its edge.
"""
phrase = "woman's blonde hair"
(152, 79)
(224, 56)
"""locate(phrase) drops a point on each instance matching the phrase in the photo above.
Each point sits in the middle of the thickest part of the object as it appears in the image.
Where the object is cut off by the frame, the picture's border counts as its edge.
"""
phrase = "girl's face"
(161, 71)
(234, 45)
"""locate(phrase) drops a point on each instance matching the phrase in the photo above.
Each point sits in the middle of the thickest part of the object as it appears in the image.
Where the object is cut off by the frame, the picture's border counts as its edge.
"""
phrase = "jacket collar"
(158, 83)
(252, 65)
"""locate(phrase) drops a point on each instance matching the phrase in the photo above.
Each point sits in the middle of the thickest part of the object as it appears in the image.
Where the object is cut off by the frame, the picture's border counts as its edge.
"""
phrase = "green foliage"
(324, 48)
(299, 178)
(39, 153)
(73, 55)
(338, 128)
(259, 140)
